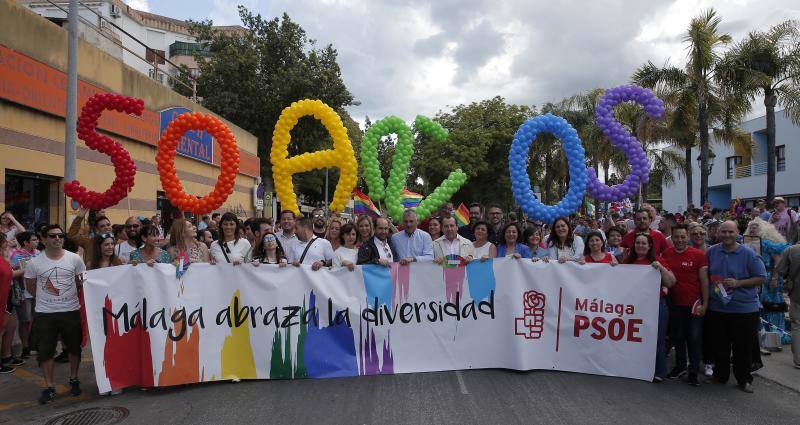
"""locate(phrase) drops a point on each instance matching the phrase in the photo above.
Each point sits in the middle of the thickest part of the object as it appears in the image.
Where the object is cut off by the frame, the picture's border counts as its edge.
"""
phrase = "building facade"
(33, 63)
(161, 35)
(736, 174)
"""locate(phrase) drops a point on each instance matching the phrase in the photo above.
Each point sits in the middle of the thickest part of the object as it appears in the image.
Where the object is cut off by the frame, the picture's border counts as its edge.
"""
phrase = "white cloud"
(143, 5)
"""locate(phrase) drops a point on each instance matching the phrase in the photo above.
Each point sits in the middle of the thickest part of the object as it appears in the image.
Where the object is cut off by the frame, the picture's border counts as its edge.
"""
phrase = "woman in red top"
(8, 315)
(595, 250)
(642, 253)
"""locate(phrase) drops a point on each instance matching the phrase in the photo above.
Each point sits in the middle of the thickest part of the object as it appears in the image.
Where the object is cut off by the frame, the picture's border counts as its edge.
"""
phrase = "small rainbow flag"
(410, 199)
(363, 205)
(462, 215)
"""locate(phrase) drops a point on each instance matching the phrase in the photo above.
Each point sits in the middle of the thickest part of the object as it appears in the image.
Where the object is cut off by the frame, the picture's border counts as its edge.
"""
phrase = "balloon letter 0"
(604, 117)
(124, 167)
(518, 167)
(228, 169)
(340, 156)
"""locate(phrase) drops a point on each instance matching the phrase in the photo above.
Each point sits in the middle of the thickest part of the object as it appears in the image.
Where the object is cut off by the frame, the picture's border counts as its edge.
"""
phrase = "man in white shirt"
(286, 236)
(53, 278)
(412, 244)
(124, 249)
(451, 243)
(310, 249)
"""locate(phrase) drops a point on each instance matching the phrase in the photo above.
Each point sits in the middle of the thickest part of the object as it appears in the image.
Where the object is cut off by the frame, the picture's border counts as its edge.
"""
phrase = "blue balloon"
(521, 183)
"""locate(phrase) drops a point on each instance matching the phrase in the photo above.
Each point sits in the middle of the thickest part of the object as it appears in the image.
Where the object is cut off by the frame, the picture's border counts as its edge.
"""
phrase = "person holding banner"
(104, 254)
(150, 253)
(286, 236)
(269, 251)
(183, 239)
(483, 249)
(309, 248)
(452, 244)
(507, 245)
(643, 253)
(562, 245)
(378, 249)
(595, 251)
(733, 308)
(412, 244)
(346, 255)
(334, 232)
(53, 278)
(231, 247)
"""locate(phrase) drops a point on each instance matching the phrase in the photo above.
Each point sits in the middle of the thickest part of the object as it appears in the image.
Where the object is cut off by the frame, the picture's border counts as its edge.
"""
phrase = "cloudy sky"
(406, 57)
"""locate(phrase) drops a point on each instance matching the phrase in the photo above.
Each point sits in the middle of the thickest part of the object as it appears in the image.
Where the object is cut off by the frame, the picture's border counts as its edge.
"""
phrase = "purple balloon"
(621, 139)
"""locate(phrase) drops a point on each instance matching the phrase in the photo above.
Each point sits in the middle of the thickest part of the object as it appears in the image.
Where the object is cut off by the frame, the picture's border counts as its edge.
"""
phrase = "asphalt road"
(476, 396)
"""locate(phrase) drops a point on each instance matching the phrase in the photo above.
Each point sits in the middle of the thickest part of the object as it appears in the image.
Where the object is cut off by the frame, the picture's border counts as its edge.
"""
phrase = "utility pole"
(71, 120)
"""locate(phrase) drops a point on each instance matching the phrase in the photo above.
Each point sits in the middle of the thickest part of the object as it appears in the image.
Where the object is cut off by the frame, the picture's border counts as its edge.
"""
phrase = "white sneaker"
(708, 370)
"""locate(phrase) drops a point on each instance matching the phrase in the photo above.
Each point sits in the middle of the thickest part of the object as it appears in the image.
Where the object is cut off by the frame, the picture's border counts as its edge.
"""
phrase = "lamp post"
(711, 157)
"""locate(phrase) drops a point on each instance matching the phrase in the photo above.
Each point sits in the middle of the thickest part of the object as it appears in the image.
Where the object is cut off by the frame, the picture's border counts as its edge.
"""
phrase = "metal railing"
(757, 169)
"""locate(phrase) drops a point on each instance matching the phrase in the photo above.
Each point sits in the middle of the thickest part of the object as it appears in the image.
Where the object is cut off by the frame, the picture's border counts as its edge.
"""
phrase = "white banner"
(219, 322)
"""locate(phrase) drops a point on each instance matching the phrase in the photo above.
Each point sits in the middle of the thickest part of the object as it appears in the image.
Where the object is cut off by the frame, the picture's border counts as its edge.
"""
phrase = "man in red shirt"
(689, 299)
(642, 219)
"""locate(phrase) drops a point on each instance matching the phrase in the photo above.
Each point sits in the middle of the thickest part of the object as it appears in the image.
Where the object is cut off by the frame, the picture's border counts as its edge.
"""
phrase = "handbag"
(17, 295)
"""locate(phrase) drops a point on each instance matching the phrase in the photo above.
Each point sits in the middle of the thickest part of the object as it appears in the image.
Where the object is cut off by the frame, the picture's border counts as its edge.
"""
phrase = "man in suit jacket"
(451, 243)
(379, 249)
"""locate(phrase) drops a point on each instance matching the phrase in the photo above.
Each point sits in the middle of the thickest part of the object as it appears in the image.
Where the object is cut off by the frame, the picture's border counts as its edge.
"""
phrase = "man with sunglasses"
(124, 249)
(53, 278)
(318, 220)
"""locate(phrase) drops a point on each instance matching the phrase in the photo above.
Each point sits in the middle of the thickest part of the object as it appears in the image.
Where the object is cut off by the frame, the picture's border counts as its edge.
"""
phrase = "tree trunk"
(702, 120)
(770, 100)
(606, 167)
(688, 171)
(548, 178)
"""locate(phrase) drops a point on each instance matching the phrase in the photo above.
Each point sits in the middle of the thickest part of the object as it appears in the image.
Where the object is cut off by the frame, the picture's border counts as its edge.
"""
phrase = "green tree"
(252, 75)
(767, 64)
(480, 138)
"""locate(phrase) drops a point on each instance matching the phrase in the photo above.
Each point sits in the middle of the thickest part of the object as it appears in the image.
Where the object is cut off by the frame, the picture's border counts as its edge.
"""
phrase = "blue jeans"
(686, 332)
(661, 347)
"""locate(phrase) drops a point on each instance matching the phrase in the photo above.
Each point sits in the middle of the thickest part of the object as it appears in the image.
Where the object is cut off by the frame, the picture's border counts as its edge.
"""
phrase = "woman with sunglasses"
(231, 248)
(347, 253)
(149, 252)
(103, 253)
(269, 251)
(697, 236)
(183, 239)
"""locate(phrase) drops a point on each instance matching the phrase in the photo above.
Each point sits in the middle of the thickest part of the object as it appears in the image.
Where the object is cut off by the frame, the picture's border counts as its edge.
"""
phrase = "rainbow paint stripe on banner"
(462, 215)
(362, 204)
(410, 199)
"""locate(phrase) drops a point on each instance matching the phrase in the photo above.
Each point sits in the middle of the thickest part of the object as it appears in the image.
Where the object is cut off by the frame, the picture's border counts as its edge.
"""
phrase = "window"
(780, 156)
(731, 163)
(152, 56)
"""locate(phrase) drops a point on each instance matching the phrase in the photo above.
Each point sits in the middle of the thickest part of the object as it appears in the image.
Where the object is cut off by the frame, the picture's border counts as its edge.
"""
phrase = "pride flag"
(363, 205)
(462, 215)
(410, 199)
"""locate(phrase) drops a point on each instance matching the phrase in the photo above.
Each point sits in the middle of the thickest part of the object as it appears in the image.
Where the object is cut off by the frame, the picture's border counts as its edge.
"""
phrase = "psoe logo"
(531, 324)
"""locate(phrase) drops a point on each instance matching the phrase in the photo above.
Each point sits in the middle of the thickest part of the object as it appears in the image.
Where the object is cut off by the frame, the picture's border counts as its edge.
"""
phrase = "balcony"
(744, 171)
(181, 48)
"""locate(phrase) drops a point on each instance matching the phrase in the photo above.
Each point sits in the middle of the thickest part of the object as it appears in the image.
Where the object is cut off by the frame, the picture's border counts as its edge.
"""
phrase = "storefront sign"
(195, 144)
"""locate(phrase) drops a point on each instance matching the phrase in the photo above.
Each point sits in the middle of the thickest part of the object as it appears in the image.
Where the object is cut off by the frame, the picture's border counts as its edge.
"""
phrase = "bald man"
(733, 312)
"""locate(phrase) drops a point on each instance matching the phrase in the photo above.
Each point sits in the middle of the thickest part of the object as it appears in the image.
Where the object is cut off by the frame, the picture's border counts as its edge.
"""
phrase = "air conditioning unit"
(115, 12)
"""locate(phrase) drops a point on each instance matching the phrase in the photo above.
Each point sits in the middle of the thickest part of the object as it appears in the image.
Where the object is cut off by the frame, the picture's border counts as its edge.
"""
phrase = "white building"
(741, 175)
(161, 35)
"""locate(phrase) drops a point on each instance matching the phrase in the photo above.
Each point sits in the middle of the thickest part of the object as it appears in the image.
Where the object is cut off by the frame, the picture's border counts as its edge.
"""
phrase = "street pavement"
(464, 397)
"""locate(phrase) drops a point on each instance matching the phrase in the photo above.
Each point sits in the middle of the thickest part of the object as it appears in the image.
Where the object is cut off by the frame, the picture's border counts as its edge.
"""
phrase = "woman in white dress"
(231, 247)
(484, 249)
(347, 254)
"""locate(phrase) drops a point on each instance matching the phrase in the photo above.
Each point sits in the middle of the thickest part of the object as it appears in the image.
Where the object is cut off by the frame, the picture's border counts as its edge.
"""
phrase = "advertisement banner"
(222, 322)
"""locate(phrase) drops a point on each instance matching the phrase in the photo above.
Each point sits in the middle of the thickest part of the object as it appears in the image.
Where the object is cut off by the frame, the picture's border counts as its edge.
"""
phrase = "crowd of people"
(722, 273)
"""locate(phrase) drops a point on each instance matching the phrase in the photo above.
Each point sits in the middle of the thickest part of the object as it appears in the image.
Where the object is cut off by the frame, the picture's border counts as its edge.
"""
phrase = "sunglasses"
(55, 235)
(105, 236)
(270, 238)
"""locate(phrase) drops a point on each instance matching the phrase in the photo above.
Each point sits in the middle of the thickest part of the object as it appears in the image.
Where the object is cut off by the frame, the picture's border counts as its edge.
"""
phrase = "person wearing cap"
(783, 218)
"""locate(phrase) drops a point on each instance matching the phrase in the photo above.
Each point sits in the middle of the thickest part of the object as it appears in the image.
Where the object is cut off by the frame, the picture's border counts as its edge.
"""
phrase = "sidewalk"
(779, 368)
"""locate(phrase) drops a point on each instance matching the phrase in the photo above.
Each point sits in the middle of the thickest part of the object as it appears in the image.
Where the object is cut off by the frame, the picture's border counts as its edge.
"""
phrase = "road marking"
(461, 383)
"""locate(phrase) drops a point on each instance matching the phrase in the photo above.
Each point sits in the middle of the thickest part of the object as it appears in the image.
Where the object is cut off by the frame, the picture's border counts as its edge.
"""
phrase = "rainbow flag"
(363, 205)
(410, 199)
(462, 215)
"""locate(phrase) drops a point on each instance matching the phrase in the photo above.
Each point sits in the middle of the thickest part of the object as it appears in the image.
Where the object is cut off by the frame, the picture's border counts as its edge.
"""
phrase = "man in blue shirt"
(733, 318)
(412, 244)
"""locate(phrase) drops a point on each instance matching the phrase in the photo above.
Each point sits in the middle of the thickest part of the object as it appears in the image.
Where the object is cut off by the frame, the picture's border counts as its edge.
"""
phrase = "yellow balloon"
(341, 156)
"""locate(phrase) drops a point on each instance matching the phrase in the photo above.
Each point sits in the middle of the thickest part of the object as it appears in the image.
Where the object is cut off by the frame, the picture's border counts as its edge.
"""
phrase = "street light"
(711, 157)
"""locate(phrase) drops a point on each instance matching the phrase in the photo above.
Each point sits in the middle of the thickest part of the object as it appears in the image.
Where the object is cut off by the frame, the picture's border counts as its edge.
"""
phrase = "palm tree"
(768, 64)
(704, 40)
